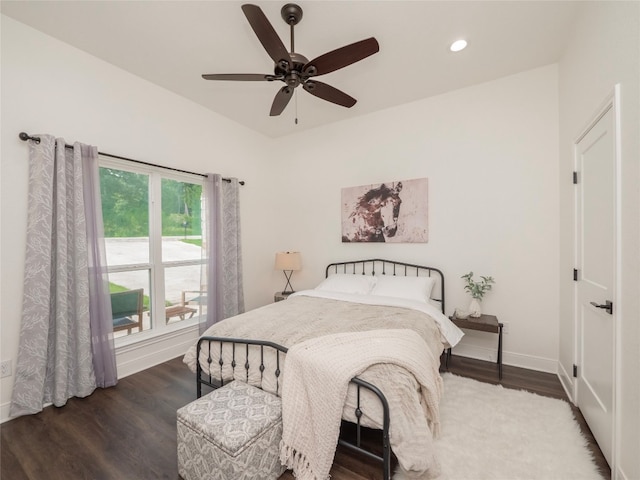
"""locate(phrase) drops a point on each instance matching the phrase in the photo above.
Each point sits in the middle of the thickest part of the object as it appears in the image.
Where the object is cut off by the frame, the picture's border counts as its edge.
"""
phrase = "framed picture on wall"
(392, 212)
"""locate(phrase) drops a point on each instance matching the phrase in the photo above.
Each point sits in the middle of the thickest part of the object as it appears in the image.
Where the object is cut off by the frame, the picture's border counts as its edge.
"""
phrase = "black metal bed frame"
(363, 267)
(390, 267)
(203, 378)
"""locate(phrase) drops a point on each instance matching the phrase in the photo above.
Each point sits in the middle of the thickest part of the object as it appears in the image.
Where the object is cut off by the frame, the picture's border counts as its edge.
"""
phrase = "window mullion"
(155, 253)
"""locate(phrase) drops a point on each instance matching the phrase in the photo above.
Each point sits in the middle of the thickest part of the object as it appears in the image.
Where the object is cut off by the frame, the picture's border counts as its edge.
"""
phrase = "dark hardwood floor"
(129, 432)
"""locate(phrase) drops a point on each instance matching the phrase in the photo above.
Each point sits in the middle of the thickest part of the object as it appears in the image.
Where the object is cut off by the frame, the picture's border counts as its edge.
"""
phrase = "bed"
(366, 300)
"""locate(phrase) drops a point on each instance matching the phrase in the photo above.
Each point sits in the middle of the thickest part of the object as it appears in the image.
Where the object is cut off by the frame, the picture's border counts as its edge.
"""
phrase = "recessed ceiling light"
(458, 45)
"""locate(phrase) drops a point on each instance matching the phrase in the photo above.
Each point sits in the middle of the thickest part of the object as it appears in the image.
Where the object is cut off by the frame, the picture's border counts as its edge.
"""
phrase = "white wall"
(50, 87)
(490, 153)
(604, 50)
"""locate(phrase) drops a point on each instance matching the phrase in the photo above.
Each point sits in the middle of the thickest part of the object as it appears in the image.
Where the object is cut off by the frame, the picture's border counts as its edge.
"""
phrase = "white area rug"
(494, 433)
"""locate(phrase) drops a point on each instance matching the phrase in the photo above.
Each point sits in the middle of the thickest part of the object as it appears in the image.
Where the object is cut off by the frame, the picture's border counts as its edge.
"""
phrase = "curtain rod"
(25, 136)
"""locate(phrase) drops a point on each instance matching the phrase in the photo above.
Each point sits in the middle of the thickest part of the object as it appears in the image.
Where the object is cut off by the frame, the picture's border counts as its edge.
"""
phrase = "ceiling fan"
(293, 68)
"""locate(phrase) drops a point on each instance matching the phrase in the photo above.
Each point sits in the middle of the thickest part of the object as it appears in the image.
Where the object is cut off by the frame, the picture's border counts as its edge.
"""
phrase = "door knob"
(608, 306)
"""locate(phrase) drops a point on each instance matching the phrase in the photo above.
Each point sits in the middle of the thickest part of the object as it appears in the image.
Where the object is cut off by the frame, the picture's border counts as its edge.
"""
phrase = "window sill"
(150, 337)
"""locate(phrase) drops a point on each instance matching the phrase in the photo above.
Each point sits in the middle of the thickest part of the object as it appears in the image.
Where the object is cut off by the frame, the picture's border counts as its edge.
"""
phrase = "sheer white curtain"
(225, 297)
(100, 315)
(62, 353)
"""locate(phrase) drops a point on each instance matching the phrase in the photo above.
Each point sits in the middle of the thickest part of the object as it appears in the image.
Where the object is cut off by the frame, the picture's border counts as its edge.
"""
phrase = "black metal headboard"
(389, 267)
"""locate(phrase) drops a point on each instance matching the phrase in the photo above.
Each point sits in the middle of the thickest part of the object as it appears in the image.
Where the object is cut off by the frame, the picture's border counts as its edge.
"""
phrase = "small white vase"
(474, 308)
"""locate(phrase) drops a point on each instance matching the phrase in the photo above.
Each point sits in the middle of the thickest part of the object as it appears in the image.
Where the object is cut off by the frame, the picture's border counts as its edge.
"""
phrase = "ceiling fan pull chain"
(296, 95)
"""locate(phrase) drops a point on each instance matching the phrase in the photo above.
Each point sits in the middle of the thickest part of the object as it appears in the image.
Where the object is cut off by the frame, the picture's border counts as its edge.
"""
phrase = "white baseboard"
(566, 382)
(139, 356)
(4, 412)
(619, 474)
(508, 358)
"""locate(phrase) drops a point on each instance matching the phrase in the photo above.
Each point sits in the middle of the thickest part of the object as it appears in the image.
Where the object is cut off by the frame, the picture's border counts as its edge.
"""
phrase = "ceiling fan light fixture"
(458, 45)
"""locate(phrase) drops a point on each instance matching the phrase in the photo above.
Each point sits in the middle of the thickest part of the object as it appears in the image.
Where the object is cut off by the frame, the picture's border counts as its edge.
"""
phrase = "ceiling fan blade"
(329, 93)
(266, 34)
(243, 77)
(281, 100)
(342, 57)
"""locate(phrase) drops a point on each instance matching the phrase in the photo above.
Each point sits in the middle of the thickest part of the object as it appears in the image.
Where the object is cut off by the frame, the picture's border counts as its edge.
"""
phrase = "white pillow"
(348, 283)
(412, 288)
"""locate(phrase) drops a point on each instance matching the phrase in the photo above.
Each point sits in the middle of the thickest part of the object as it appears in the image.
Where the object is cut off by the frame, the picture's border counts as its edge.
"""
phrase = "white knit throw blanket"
(316, 377)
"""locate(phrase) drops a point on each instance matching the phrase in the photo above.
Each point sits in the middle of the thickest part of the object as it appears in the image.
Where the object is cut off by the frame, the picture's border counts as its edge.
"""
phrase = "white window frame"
(155, 265)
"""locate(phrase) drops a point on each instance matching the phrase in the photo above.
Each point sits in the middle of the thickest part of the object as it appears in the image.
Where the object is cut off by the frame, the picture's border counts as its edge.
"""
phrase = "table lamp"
(288, 262)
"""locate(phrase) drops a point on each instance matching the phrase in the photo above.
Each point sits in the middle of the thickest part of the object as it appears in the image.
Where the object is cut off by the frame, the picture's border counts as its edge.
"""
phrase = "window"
(153, 237)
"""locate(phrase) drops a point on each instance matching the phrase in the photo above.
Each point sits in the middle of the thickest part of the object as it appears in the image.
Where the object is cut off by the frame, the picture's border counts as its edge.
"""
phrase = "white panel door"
(595, 232)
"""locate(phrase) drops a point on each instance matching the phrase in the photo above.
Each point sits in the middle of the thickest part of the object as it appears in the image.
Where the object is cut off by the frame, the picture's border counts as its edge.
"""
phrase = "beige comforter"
(302, 318)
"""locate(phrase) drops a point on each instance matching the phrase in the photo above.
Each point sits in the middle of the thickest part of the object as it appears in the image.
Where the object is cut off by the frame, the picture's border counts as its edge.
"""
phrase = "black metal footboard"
(241, 366)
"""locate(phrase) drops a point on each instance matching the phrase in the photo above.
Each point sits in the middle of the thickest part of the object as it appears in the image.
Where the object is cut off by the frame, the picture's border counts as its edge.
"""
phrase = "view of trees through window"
(126, 207)
(154, 248)
(125, 203)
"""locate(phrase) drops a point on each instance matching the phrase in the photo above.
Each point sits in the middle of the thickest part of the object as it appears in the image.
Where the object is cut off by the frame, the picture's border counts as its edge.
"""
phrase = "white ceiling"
(171, 43)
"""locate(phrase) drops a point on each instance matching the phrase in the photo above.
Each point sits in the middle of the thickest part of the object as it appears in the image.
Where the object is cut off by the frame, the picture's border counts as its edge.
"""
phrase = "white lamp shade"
(288, 261)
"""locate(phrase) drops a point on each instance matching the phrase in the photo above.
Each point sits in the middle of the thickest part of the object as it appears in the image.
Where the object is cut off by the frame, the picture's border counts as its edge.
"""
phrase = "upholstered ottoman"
(232, 433)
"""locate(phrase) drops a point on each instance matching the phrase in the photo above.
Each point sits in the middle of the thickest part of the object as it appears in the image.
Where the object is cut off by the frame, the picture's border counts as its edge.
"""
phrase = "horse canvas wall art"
(394, 212)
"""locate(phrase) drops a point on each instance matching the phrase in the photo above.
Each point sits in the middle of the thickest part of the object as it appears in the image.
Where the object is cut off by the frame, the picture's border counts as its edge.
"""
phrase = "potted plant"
(477, 291)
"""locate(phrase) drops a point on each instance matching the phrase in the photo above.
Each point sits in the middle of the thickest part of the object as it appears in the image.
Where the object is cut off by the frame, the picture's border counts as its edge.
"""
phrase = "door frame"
(611, 102)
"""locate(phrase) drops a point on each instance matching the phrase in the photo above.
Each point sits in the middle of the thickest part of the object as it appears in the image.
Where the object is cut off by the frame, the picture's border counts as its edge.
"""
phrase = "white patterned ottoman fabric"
(232, 433)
